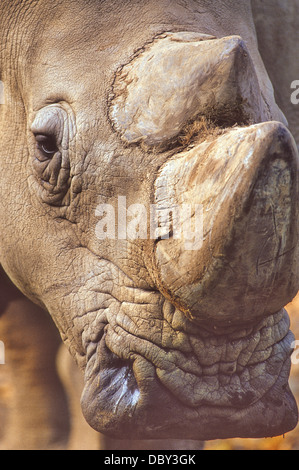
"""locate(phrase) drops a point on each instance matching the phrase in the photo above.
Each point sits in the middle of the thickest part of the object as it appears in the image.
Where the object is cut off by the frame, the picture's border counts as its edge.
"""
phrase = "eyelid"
(41, 137)
(58, 121)
(46, 121)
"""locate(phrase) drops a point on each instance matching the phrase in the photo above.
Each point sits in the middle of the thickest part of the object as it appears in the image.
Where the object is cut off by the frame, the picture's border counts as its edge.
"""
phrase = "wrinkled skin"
(172, 342)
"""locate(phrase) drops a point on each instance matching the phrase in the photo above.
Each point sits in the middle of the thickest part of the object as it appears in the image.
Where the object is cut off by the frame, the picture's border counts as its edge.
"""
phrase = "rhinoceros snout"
(214, 361)
(200, 360)
(246, 182)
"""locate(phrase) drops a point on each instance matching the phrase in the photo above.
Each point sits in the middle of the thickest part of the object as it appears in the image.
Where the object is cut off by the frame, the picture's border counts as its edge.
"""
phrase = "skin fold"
(172, 343)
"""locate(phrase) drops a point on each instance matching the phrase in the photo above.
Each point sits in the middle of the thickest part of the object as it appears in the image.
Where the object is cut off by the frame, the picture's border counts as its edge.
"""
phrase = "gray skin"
(277, 30)
(172, 342)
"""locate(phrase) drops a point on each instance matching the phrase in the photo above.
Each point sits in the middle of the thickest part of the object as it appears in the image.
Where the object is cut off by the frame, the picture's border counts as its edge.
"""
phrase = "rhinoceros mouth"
(139, 389)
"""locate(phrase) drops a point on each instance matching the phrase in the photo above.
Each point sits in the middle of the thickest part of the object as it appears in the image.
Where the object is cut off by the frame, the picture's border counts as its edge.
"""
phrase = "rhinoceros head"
(154, 193)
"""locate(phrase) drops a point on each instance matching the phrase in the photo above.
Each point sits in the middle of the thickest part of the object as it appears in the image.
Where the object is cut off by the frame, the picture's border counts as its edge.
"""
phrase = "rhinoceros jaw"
(198, 385)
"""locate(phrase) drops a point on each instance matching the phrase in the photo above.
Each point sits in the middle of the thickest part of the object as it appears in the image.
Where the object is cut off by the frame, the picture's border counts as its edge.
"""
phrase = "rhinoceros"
(149, 203)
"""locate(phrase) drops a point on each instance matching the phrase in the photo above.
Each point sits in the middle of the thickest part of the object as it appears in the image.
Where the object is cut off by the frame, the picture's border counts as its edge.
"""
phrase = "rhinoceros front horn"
(245, 267)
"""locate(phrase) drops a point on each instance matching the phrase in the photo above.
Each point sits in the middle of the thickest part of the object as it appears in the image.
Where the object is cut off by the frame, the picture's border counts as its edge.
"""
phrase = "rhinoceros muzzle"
(204, 386)
(209, 355)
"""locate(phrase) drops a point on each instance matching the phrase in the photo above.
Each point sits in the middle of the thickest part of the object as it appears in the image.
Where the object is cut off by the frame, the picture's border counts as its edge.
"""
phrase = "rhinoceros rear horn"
(198, 76)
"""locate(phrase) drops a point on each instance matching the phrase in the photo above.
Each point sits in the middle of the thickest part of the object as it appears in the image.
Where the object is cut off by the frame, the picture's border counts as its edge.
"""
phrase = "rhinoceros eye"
(46, 145)
(52, 135)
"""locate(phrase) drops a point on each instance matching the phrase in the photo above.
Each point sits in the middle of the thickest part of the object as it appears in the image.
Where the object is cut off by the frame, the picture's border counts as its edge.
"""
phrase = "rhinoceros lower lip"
(135, 393)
